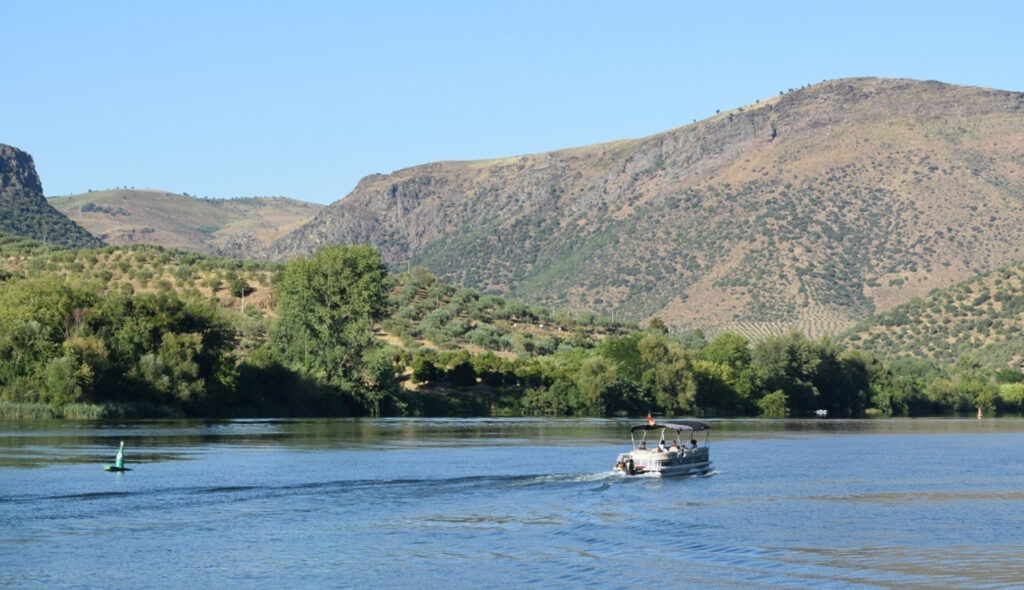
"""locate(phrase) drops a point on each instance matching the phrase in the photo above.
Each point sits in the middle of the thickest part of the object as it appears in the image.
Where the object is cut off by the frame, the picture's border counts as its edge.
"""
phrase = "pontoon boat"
(680, 455)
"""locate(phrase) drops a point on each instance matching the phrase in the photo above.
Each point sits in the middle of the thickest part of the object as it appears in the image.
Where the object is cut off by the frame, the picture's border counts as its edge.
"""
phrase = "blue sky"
(301, 99)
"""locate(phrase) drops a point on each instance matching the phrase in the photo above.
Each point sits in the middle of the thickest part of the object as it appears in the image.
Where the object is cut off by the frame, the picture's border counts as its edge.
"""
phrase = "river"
(501, 503)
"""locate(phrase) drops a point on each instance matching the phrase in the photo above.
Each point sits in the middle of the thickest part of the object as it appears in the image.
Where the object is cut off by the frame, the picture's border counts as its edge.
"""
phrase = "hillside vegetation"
(25, 212)
(225, 227)
(423, 312)
(982, 317)
(428, 313)
(810, 210)
(145, 331)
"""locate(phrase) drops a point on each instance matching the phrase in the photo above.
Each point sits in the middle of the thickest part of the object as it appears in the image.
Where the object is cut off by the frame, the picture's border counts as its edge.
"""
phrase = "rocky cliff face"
(17, 172)
(24, 210)
(807, 210)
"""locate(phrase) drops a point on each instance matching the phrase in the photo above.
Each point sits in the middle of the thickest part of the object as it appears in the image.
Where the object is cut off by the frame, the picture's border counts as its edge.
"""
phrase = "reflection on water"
(470, 503)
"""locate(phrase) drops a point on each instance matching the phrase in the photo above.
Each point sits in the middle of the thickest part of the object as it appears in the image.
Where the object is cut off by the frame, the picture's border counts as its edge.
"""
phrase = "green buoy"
(118, 461)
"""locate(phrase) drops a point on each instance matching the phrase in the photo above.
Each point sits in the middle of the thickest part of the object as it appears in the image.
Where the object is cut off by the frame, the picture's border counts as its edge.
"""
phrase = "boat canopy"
(677, 425)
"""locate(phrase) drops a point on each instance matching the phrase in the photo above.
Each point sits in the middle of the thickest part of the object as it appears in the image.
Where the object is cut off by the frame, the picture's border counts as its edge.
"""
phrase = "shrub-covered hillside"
(150, 331)
(983, 316)
(427, 312)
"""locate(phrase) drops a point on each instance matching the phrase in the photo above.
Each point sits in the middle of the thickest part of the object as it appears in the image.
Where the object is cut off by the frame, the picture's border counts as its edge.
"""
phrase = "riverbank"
(37, 411)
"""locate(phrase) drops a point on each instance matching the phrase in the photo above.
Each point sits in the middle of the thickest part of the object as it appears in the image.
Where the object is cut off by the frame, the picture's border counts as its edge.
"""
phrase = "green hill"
(427, 312)
(25, 212)
(982, 317)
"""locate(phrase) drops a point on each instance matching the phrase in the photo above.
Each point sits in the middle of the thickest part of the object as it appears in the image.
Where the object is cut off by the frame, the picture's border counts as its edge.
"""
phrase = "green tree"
(898, 390)
(595, 383)
(239, 287)
(327, 307)
(61, 382)
(789, 364)
(89, 355)
(625, 353)
(774, 405)
(489, 368)
(715, 393)
(667, 374)
(460, 371)
(842, 379)
(159, 346)
(730, 349)
(657, 325)
(423, 368)
(36, 315)
(1011, 396)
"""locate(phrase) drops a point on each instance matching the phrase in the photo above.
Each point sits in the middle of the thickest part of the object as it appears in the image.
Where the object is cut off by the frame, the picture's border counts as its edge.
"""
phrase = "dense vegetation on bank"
(150, 331)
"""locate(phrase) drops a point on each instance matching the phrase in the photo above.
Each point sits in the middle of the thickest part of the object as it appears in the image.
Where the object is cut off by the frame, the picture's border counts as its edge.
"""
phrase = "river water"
(501, 503)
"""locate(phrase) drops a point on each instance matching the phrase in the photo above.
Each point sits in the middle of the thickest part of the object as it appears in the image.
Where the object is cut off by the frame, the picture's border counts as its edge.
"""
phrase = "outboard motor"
(629, 468)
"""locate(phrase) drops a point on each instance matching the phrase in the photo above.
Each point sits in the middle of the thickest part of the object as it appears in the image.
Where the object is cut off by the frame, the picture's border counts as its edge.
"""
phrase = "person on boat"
(643, 445)
(675, 447)
(693, 444)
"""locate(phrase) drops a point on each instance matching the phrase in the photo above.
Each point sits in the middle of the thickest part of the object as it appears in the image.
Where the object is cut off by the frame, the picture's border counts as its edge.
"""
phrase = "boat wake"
(357, 488)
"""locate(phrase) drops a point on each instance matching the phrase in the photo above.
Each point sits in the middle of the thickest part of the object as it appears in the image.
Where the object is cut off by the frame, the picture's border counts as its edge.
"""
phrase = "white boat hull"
(664, 464)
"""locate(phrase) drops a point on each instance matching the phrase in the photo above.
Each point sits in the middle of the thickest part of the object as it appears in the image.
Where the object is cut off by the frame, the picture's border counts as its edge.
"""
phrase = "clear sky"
(303, 98)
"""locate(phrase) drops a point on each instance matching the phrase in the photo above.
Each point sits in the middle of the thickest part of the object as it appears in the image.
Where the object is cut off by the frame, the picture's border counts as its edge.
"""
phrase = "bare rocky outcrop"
(18, 172)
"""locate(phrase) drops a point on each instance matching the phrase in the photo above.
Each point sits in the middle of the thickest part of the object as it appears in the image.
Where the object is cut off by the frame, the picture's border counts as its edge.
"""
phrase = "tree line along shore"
(144, 331)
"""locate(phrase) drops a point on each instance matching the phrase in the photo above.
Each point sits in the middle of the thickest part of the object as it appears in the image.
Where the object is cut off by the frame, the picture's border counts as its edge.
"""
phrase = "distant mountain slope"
(24, 210)
(225, 227)
(983, 317)
(808, 210)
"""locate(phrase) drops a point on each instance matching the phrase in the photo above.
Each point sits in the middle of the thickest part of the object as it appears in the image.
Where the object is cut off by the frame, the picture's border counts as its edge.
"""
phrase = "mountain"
(225, 227)
(24, 210)
(809, 210)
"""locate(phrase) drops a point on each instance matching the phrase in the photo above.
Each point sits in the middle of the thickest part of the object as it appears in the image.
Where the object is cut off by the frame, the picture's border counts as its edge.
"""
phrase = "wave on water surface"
(387, 487)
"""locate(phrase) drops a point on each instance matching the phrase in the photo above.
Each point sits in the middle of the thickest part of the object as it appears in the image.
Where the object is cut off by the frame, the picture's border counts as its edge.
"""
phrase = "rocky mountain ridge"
(809, 210)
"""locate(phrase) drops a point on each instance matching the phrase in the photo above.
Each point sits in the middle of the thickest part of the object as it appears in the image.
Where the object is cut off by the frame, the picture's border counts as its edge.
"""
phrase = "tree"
(789, 364)
(667, 373)
(842, 379)
(657, 325)
(899, 390)
(173, 351)
(773, 405)
(36, 315)
(239, 287)
(715, 392)
(327, 307)
(488, 367)
(624, 353)
(423, 369)
(730, 349)
(595, 382)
